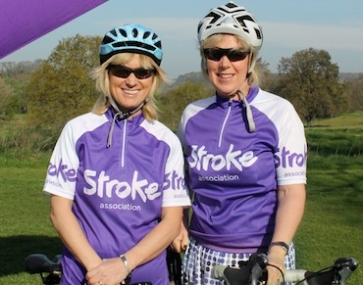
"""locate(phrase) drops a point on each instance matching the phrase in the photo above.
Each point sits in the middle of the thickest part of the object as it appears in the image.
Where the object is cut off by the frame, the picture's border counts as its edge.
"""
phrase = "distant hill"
(347, 76)
(198, 77)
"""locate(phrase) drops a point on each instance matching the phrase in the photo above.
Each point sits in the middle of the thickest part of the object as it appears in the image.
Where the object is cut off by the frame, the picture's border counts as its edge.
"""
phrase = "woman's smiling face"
(228, 76)
(130, 92)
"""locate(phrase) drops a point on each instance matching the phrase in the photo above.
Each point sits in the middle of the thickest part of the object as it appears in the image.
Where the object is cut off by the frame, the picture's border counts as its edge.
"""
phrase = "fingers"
(274, 276)
(184, 243)
(109, 272)
(180, 244)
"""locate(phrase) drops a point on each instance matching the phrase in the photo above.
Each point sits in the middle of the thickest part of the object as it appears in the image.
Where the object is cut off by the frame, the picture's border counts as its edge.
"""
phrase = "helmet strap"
(252, 63)
(121, 116)
(124, 115)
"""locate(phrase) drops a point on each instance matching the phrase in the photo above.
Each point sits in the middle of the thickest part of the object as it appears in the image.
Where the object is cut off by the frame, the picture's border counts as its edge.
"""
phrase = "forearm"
(71, 233)
(290, 210)
(157, 240)
(291, 204)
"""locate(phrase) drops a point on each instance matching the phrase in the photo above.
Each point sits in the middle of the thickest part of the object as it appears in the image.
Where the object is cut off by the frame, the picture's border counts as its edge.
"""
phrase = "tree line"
(47, 93)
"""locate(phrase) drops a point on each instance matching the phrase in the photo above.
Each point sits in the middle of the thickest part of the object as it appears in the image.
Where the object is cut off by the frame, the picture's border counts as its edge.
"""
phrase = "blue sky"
(288, 26)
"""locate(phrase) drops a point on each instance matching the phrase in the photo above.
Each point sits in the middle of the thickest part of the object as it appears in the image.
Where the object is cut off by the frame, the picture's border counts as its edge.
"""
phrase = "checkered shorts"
(198, 262)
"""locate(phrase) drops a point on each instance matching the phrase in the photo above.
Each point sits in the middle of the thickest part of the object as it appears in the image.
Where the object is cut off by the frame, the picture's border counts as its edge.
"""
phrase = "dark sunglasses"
(124, 72)
(216, 54)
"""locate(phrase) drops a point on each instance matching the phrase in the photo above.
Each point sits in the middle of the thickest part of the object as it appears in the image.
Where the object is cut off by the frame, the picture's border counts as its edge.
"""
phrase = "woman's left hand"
(109, 272)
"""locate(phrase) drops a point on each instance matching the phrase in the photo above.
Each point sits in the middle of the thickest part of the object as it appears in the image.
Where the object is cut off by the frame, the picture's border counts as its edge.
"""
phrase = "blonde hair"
(100, 75)
(213, 40)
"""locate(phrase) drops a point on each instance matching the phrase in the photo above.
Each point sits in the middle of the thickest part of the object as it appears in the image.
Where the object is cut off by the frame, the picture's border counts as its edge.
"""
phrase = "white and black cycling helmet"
(231, 19)
(132, 38)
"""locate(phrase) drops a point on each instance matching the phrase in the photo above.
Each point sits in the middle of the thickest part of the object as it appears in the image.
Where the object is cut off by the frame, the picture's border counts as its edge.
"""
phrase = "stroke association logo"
(100, 184)
(288, 159)
(62, 170)
(202, 160)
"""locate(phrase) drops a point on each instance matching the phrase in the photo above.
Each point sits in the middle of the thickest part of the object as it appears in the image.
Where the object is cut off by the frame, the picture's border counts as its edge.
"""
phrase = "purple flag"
(23, 21)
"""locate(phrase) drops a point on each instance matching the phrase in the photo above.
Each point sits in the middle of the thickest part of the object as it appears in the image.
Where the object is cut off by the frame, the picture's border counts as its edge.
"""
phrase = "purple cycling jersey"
(234, 173)
(117, 192)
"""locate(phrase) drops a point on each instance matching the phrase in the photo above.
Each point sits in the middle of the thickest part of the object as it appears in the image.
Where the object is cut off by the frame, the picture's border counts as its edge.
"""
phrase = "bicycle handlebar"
(254, 271)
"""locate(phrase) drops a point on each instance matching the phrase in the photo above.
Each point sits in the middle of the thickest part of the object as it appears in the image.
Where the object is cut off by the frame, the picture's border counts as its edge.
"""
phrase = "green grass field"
(332, 226)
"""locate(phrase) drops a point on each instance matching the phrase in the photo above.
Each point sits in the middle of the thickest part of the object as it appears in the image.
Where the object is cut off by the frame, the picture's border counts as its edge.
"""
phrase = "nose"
(224, 61)
(131, 80)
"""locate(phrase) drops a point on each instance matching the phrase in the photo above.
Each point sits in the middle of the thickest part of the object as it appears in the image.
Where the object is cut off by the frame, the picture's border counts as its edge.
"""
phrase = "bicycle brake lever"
(351, 263)
(260, 263)
(345, 267)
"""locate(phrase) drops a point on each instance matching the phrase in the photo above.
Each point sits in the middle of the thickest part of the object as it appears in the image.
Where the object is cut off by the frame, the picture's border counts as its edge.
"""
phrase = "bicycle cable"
(314, 274)
(279, 269)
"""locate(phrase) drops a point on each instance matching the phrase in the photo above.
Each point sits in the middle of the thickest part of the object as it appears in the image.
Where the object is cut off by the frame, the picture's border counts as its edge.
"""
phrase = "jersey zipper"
(224, 123)
(123, 149)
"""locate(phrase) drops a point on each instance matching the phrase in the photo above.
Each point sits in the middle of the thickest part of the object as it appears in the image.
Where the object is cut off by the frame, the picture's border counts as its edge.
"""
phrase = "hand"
(109, 272)
(275, 276)
(181, 242)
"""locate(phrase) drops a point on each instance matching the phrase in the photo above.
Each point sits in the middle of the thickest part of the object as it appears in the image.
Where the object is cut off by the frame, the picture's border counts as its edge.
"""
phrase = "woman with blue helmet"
(116, 174)
(248, 171)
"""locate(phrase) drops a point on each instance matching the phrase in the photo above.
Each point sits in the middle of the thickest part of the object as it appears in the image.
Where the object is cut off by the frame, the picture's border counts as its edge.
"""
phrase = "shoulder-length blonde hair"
(213, 40)
(100, 75)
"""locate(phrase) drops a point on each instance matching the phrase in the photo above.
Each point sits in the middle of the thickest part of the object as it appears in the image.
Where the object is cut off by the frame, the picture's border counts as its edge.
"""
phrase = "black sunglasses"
(216, 54)
(124, 72)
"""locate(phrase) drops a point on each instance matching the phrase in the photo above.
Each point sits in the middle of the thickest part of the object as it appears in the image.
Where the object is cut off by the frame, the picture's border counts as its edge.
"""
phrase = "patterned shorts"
(198, 262)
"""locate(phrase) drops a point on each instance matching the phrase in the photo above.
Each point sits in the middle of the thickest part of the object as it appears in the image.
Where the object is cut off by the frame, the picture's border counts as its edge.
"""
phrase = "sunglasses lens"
(124, 72)
(216, 54)
(237, 55)
(141, 73)
(213, 54)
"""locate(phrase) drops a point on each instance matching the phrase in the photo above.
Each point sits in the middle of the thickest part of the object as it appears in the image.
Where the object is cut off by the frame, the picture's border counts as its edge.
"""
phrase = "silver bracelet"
(126, 263)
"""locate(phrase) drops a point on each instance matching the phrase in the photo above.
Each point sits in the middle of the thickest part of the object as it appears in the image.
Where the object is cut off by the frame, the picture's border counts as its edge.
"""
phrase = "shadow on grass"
(15, 249)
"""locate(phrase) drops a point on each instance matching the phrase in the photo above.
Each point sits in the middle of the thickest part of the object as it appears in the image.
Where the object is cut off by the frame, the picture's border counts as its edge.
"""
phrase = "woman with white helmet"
(116, 174)
(247, 172)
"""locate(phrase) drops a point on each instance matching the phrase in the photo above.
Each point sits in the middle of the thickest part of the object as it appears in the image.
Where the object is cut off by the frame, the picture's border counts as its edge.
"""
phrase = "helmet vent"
(122, 32)
(231, 5)
(258, 33)
(146, 35)
(135, 33)
(107, 40)
(242, 20)
(113, 32)
(158, 44)
(214, 17)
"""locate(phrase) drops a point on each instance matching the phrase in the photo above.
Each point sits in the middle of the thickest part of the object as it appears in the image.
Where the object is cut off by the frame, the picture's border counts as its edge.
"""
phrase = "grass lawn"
(25, 227)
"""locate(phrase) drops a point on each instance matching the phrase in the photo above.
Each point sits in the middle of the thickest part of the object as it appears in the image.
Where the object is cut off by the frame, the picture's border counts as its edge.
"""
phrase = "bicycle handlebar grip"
(295, 275)
(231, 275)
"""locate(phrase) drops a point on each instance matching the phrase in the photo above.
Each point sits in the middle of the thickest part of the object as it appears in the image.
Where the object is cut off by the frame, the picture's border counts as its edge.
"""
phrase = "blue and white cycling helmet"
(132, 38)
(231, 19)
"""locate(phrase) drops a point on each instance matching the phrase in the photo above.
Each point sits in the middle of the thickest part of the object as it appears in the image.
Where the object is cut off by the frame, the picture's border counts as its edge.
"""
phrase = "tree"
(8, 101)
(266, 77)
(175, 100)
(17, 74)
(356, 95)
(311, 83)
(61, 88)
